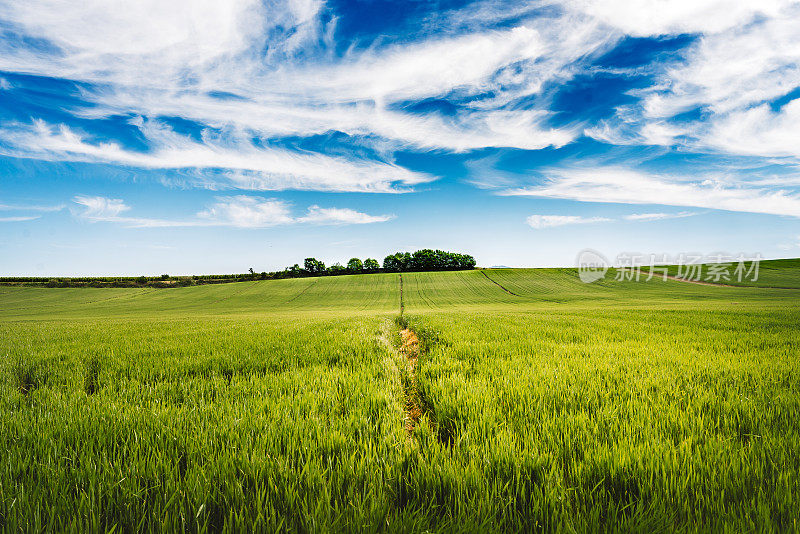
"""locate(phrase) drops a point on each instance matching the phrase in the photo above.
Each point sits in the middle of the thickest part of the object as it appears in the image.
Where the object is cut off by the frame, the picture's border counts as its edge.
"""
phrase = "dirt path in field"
(402, 301)
(715, 284)
(698, 282)
(410, 351)
(498, 284)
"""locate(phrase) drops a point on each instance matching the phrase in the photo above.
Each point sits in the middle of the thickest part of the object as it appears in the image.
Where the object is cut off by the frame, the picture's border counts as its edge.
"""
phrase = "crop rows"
(540, 404)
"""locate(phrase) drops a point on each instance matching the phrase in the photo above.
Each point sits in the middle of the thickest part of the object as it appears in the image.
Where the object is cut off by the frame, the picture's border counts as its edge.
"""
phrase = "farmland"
(546, 404)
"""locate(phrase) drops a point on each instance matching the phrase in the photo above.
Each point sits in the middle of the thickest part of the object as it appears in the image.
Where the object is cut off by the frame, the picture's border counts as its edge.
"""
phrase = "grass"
(546, 404)
(774, 273)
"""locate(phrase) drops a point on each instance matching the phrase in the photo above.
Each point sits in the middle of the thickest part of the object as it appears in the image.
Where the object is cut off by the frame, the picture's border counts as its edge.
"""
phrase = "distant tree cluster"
(100, 281)
(421, 260)
(314, 267)
(428, 260)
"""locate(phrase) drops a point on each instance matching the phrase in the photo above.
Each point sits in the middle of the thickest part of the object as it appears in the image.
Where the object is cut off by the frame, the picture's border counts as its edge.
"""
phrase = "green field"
(547, 404)
(779, 274)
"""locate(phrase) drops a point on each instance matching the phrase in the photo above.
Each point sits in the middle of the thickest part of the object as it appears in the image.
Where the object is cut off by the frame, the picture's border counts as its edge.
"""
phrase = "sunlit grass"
(279, 405)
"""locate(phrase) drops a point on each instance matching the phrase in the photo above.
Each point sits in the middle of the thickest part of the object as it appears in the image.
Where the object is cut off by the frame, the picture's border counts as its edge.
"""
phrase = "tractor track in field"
(92, 302)
(303, 291)
(498, 284)
(233, 293)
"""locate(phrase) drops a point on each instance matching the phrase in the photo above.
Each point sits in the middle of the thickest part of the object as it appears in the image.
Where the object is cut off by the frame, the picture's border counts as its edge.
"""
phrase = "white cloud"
(30, 207)
(100, 208)
(248, 212)
(625, 186)
(645, 18)
(165, 60)
(758, 131)
(748, 54)
(317, 215)
(355, 95)
(18, 219)
(273, 116)
(97, 40)
(263, 168)
(620, 132)
(735, 69)
(789, 246)
(239, 211)
(426, 69)
(549, 221)
(658, 216)
(286, 77)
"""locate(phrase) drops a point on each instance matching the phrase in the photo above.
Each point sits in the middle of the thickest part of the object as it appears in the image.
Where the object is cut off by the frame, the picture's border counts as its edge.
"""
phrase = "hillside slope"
(377, 293)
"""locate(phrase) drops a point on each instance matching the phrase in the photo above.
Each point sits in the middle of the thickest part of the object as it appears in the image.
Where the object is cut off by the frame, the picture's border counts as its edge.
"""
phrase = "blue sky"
(200, 136)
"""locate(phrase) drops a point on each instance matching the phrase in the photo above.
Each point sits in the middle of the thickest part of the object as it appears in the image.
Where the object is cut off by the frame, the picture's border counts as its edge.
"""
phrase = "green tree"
(314, 266)
(337, 268)
(397, 262)
(371, 265)
(391, 263)
(355, 265)
(425, 260)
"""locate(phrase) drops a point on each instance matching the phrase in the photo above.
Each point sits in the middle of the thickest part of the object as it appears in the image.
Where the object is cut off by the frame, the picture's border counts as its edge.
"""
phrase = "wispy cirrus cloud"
(156, 60)
(626, 186)
(269, 168)
(725, 71)
(791, 245)
(100, 208)
(35, 208)
(96, 209)
(658, 216)
(758, 131)
(243, 211)
(364, 93)
(317, 215)
(239, 211)
(250, 75)
(724, 94)
(31, 207)
(19, 218)
(548, 221)
(665, 17)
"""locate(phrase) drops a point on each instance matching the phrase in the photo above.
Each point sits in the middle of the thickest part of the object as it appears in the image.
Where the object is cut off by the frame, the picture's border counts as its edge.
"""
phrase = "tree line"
(428, 260)
(421, 260)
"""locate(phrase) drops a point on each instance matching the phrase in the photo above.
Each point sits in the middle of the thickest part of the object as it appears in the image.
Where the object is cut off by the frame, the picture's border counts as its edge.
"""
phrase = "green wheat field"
(547, 405)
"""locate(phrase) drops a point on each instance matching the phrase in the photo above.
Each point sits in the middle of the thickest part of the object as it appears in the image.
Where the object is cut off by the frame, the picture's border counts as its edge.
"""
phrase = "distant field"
(772, 273)
(547, 404)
